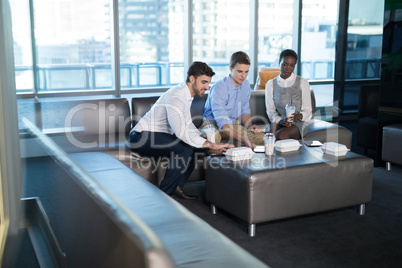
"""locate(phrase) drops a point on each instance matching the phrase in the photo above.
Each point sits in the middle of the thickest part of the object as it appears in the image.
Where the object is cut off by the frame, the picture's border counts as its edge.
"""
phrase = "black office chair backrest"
(369, 96)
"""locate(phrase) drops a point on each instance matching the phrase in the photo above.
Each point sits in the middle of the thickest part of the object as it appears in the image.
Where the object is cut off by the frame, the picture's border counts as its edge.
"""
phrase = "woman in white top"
(288, 88)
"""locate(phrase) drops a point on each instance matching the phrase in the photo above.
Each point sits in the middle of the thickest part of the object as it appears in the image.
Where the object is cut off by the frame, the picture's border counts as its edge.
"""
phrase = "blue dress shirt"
(226, 103)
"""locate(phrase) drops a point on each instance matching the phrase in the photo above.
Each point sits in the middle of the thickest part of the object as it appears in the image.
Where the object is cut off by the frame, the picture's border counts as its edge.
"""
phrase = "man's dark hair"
(199, 68)
(288, 52)
(239, 57)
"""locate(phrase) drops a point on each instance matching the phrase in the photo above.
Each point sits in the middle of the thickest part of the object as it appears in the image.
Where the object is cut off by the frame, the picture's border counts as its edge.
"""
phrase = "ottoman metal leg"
(388, 165)
(213, 209)
(362, 209)
(251, 230)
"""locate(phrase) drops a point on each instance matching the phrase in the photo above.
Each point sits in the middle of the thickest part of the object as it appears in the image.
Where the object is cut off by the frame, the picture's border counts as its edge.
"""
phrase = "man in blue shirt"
(227, 106)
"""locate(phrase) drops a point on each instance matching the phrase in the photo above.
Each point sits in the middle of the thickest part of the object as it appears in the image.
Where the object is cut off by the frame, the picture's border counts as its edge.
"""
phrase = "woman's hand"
(294, 118)
(297, 117)
(285, 122)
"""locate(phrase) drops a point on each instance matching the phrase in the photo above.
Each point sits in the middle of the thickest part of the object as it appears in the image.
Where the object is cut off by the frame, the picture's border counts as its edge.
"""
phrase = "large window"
(319, 21)
(275, 30)
(364, 44)
(220, 28)
(151, 43)
(72, 44)
(318, 38)
(22, 45)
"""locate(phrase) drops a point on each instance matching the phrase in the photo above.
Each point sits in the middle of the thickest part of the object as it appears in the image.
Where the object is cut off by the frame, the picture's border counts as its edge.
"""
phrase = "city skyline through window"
(73, 41)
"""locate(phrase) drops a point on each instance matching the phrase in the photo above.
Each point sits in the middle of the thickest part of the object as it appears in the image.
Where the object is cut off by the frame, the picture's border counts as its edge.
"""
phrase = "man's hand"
(221, 147)
(248, 142)
(255, 129)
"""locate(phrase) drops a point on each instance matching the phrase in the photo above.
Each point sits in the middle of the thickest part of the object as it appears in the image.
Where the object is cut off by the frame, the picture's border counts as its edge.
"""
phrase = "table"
(289, 184)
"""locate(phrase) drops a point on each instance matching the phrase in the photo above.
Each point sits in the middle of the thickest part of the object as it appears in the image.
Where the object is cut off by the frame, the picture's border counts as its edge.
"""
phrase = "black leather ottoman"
(287, 184)
(392, 145)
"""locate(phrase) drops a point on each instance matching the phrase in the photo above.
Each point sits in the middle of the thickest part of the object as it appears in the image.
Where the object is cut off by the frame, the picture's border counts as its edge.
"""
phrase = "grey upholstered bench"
(286, 185)
(190, 241)
(392, 145)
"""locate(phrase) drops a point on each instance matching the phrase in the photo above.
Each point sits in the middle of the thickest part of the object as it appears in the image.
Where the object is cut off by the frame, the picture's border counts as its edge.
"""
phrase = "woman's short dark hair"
(239, 57)
(288, 52)
(199, 68)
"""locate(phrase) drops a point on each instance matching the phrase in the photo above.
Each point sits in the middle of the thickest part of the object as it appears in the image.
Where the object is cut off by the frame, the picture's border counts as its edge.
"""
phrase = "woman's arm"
(273, 115)
(306, 109)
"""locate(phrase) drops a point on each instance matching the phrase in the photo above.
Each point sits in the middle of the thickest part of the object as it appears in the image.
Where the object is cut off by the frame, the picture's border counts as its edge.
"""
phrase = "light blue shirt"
(226, 103)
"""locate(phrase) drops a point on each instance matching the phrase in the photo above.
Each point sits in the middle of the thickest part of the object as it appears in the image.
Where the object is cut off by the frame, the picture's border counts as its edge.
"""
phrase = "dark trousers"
(180, 154)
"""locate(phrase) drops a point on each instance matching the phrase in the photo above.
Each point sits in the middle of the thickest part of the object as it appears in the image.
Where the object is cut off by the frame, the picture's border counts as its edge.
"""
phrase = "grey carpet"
(340, 238)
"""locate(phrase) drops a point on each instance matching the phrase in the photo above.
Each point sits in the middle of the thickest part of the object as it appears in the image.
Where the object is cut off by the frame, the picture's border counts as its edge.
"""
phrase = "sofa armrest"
(329, 132)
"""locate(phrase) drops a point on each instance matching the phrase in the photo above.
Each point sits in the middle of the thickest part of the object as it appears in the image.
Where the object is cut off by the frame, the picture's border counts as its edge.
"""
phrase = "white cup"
(290, 110)
(269, 142)
(210, 132)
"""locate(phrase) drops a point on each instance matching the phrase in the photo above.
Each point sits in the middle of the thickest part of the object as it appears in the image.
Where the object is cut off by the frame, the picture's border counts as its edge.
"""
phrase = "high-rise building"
(144, 30)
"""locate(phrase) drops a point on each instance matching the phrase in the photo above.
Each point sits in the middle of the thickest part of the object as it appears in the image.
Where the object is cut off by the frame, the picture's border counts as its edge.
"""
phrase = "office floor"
(339, 238)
